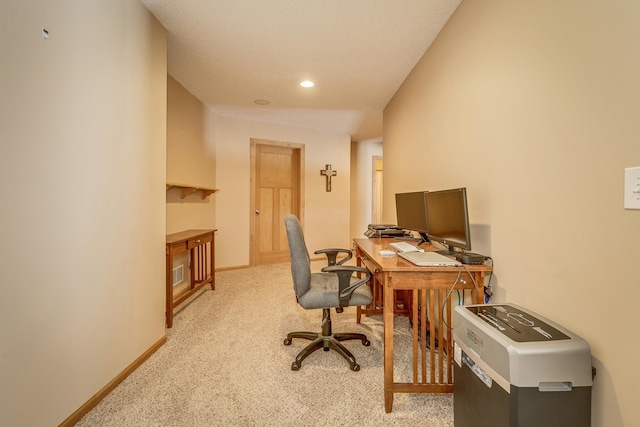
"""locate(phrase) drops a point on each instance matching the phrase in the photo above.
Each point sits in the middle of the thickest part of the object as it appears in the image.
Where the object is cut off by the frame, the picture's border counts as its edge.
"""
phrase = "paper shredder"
(515, 368)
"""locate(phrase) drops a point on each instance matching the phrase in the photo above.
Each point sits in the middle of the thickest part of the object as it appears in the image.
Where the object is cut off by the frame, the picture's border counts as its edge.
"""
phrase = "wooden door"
(276, 191)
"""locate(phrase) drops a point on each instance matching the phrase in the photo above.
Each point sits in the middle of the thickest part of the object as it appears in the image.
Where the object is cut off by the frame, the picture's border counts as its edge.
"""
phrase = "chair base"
(326, 340)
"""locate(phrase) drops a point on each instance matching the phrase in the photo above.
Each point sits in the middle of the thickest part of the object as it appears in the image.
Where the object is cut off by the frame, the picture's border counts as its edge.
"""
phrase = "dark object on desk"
(384, 230)
(469, 258)
(336, 287)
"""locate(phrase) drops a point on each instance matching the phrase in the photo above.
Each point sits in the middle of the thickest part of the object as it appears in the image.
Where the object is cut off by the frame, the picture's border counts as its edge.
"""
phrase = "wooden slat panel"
(449, 343)
(423, 333)
(416, 344)
(432, 336)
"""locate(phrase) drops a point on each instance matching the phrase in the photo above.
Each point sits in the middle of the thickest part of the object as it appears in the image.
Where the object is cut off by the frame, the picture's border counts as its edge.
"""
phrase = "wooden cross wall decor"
(328, 173)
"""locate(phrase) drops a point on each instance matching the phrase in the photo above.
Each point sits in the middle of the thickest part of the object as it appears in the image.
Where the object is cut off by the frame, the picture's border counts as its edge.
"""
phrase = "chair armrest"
(332, 254)
(346, 288)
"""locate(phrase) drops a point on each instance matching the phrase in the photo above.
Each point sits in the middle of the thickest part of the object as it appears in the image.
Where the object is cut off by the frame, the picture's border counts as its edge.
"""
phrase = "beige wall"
(82, 167)
(362, 172)
(326, 213)
(190, 160)
(533, 106)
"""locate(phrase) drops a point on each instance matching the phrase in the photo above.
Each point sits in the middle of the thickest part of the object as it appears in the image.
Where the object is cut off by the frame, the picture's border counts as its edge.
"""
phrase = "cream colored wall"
(362, 167)
(533, 107)
(326, 213)
(190, 160)
(82, 167)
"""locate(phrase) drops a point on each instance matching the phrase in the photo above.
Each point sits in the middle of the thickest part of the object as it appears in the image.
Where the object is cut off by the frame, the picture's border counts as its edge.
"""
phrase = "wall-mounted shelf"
(190, 189)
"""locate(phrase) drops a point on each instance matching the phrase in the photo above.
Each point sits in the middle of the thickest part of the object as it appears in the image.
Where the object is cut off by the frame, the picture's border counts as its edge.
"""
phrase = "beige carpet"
(225, 364)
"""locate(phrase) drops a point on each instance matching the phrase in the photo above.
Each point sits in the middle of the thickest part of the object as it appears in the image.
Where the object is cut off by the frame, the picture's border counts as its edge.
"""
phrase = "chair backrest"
(300, 261)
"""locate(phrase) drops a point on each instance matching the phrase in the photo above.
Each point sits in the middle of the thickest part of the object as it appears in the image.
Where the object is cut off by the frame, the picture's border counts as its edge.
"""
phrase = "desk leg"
(478, 296)
(169, 296)
(387, 311)
(213, 262)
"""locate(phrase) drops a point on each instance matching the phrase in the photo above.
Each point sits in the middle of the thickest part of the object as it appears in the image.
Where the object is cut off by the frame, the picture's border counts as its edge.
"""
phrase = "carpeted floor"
(225, 364)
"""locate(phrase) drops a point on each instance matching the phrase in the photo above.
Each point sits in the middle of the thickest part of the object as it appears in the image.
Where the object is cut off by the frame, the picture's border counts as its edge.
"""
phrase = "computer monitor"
(411, 213)
(448, 218)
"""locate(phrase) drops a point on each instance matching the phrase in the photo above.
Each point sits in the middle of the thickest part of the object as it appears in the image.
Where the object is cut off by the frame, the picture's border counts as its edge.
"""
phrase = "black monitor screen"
(448, 220)
(411, 212)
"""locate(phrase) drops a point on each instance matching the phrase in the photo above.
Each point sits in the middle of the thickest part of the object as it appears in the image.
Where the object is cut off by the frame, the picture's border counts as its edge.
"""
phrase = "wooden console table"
(200, 244)
(428, 288)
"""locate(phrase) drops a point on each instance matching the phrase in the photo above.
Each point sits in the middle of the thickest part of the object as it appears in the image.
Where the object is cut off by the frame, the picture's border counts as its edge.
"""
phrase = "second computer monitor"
(411, 212)
(448, 218)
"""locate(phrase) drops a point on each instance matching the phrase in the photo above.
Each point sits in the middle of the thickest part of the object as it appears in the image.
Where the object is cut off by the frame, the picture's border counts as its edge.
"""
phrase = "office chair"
(335, 287)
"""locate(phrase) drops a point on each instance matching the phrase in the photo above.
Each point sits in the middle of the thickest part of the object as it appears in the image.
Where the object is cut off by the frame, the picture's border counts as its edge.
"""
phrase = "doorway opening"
(376, 208)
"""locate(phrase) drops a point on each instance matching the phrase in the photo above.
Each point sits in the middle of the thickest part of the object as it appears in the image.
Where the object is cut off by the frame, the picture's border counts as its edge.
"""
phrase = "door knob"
(257, 212)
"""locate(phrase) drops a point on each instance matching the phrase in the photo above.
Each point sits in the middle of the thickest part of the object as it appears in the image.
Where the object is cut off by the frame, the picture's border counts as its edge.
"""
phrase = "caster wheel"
(295, 366)
(287, 341)
(366, 343)
(355, 368)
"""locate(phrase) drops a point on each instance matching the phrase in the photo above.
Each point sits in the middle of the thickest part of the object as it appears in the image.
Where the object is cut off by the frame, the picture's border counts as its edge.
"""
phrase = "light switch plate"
(632, 188)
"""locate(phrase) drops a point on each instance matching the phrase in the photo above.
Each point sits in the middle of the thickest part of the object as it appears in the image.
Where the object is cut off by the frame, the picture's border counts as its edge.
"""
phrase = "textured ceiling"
(228, 53)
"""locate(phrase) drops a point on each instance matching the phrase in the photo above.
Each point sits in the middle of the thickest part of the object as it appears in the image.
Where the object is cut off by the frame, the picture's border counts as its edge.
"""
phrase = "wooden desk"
(429, 287)
(200, 244)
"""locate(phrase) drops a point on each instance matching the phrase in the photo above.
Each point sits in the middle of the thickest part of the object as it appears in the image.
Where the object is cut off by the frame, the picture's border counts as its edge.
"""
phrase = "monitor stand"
(450, 252)
(419, 240)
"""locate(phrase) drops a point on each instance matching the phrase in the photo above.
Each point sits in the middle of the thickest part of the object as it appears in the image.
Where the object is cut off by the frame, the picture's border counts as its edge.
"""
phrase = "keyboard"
(405, 247)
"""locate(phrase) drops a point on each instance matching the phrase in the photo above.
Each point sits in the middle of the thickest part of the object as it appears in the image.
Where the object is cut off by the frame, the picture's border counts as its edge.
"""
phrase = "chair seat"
(323, 293)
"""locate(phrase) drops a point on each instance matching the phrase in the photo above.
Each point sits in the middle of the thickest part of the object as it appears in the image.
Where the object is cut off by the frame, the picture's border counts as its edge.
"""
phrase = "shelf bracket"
(207, 192)
(187, 190)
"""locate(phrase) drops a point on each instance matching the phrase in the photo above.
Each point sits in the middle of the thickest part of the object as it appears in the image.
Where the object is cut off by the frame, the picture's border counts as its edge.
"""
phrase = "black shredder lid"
(517, 324)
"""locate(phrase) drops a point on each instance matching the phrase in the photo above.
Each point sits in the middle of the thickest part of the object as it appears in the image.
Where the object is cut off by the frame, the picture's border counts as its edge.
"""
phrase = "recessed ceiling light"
(262, 101)
(307, 83)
